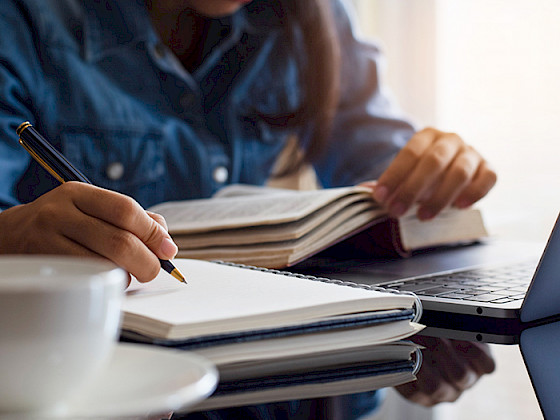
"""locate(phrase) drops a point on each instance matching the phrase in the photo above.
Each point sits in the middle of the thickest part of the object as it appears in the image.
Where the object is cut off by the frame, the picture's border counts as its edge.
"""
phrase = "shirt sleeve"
(20, 83)
(367, 129)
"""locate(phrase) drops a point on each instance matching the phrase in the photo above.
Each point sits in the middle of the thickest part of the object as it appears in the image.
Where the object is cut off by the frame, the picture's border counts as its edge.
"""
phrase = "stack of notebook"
(275, 335)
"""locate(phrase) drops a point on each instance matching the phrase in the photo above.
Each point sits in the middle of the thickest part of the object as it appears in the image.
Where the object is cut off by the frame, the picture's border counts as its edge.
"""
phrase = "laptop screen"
(543, 296)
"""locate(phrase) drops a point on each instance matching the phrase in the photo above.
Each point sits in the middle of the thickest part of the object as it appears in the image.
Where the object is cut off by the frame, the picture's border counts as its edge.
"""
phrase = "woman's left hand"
(434, 169)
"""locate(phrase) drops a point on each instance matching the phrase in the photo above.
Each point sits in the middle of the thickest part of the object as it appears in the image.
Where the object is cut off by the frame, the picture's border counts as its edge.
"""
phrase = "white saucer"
(143, 380)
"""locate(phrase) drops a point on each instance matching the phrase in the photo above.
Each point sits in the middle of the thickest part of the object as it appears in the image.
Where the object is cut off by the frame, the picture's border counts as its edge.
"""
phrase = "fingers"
(459, 173)
(449, 368)
(84, 220)
(430, 387)
(158, 218)
(404, 162)
(484, 179)
(119, 229)
(119, 245)
(434, 169)
(456, 371)
(478, 356)
(126, 214)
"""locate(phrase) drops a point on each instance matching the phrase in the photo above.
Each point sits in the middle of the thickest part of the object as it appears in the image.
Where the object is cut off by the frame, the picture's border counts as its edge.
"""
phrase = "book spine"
(417, 305)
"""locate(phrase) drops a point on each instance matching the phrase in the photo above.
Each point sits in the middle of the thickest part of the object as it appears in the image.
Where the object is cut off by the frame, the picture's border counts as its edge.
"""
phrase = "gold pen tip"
(177, 274)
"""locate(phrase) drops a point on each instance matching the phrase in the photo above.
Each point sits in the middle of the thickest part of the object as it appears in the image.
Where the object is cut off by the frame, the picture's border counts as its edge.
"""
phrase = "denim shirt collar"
(110, 25)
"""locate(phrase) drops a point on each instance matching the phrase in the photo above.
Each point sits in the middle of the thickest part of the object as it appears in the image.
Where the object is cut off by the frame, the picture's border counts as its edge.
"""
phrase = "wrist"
(8, 223)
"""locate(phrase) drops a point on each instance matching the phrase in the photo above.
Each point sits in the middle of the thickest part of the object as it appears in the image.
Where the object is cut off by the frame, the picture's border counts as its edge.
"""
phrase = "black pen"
(59, 167)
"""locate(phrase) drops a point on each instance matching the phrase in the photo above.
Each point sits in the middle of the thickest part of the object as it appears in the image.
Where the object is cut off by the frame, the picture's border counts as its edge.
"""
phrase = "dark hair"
(313, 22)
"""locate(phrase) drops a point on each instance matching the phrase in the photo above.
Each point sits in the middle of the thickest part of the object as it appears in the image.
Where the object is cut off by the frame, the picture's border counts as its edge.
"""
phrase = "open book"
(277, 228)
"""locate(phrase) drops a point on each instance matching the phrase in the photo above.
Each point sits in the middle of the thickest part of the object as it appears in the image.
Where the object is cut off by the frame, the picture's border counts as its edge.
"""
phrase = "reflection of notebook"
(318, 375)
(458, 304)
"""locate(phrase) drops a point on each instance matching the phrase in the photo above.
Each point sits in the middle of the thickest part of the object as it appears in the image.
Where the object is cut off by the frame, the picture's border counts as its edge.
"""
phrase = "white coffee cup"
(59, 322)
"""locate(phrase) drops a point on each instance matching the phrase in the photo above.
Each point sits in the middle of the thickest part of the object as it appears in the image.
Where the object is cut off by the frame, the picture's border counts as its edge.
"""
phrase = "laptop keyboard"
(495, 285)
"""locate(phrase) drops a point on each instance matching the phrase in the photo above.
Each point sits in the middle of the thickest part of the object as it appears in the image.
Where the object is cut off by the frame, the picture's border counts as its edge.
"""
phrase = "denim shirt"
(95, 79)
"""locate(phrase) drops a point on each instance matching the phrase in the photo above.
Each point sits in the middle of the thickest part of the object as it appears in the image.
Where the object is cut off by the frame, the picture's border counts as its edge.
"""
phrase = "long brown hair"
(320, 72)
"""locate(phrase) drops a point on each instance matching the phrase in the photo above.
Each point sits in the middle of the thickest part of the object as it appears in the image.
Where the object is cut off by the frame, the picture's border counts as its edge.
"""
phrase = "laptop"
(492, 291)
(487, 292)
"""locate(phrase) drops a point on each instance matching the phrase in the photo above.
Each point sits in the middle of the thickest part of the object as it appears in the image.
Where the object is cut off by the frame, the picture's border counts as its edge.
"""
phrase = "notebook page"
(221, 298)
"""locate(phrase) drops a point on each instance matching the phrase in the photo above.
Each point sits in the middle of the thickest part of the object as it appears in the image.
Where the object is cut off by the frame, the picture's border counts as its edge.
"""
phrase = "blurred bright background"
(488, 70)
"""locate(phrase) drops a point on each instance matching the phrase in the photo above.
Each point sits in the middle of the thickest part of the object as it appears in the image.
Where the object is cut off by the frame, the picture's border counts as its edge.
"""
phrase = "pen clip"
(41, 161)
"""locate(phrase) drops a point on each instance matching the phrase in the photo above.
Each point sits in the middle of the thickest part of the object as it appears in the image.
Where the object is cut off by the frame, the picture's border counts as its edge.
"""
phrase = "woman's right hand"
(84, 220)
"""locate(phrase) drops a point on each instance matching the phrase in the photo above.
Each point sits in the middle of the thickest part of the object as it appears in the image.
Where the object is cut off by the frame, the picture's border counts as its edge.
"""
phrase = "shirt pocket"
(123, 160)
(266, 98)
(264, 122)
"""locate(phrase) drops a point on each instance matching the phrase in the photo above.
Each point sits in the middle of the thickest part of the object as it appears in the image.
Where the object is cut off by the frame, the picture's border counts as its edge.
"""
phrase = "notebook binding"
(417, 304)
(418, 359)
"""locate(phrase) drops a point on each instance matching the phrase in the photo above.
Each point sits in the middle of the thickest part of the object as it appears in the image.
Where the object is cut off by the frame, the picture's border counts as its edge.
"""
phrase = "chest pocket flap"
(122, 160)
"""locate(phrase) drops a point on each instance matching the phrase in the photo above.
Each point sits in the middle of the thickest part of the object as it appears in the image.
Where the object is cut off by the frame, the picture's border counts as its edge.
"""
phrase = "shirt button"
(115, 171)
(220, 174)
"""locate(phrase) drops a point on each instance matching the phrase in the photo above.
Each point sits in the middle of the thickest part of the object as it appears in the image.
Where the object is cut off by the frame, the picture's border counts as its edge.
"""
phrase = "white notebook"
(224, 303)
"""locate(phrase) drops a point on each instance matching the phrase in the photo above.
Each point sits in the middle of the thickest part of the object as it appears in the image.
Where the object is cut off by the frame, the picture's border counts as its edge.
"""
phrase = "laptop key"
(436, 291)
(474, 292)
(502, 300)
(483, 298)
(471, 283)
(517, 290)
(489, 288)
(503, 292)
(507, 279)
(411, 287)
(503, 285)
(455, 296)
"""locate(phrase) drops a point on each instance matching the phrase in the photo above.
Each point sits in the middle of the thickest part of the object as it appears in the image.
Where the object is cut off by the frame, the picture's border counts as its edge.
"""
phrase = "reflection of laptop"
(539, 346)
(475, 293)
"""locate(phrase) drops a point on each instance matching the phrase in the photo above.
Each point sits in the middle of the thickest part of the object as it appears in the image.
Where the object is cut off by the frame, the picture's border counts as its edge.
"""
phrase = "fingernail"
(168, 248)
(397, 209)
(425, 214)
(463, 203)
(380, 194)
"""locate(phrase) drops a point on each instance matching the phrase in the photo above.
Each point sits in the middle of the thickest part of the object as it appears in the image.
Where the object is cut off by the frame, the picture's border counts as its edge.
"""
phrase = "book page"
(253, 210)
(286, 253)
(449, 227)
(243, 190)
(327, 217)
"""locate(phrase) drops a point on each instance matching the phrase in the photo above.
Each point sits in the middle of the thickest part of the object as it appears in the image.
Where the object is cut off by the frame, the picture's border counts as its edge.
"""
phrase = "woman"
(170, 99)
